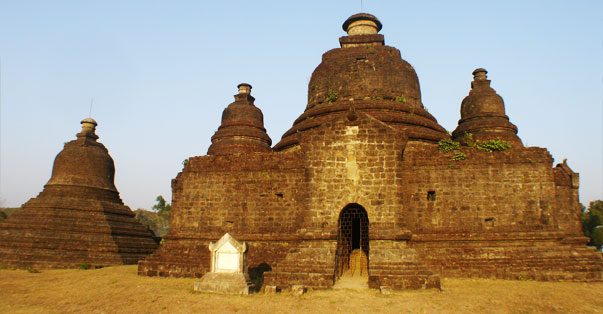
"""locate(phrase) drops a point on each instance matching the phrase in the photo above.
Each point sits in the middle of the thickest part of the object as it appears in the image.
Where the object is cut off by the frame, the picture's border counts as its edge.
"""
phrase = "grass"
(120, 290)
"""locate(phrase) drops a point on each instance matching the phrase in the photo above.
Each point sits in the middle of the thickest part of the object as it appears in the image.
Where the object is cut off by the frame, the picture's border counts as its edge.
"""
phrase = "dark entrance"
(352, 234)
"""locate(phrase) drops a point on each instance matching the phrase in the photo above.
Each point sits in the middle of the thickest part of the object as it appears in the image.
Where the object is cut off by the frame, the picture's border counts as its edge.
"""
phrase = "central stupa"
(371, 76)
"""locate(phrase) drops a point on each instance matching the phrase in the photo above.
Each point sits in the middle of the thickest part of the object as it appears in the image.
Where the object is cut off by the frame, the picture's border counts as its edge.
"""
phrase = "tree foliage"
(162, 207)
(592, 223)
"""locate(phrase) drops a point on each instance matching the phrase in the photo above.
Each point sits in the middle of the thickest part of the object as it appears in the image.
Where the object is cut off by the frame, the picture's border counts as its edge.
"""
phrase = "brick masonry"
(373, 147)
(78, 218)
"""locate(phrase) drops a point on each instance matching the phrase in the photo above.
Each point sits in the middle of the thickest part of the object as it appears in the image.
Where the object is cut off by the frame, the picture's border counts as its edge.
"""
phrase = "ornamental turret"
(483, 114)
(242, 129)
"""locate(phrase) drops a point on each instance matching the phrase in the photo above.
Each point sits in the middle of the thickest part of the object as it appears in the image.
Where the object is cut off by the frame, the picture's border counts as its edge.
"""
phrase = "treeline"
(7, 211)
(157, 220)
(592, 223)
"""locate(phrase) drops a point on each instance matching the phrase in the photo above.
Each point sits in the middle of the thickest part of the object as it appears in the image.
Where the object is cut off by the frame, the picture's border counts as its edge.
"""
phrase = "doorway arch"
(352, 234)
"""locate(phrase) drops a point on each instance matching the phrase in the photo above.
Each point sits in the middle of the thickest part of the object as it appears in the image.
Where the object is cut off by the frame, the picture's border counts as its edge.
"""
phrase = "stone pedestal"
(227, 268)
(232, 283)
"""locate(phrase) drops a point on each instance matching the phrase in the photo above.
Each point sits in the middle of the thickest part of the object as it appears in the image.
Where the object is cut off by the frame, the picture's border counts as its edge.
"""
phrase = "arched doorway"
(352, 254)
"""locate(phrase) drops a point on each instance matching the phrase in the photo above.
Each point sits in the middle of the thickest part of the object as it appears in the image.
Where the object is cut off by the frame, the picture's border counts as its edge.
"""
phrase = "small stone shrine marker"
(227, 268)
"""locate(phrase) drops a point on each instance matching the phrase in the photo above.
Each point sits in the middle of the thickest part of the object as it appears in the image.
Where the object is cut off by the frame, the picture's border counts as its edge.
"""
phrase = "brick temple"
(366, 183)
(79, 218)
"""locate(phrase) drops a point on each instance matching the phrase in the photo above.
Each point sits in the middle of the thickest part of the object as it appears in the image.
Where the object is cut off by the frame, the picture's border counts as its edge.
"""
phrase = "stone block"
(230, 283)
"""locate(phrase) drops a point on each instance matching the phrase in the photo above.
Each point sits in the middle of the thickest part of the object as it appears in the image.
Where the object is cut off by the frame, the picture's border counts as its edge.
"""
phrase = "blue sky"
(161, 72)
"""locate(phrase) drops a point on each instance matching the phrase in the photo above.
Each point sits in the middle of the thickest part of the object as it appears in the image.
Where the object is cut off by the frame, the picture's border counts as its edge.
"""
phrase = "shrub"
(84, 266)
(592, 223)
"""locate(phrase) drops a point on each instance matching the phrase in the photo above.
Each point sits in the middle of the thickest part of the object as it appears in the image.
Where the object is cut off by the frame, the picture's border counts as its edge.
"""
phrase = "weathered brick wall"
(258, 198)
(510, 190)
(252, 196)
(66, 226)
(353, 162)
(500, 214)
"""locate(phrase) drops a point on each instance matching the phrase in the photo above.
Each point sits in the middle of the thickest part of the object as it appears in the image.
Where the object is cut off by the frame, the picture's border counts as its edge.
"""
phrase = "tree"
(592, 223)
(162, 206)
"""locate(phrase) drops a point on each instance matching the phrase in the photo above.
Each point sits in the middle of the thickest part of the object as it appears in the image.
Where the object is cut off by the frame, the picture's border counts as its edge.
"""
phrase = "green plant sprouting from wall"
(401, 99)
(332, 96)
(493, 145)
(447, 145)
(458, 156)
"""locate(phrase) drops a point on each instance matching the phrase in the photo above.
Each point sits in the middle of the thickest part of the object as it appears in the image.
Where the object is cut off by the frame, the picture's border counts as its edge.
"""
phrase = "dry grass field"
(120, 290)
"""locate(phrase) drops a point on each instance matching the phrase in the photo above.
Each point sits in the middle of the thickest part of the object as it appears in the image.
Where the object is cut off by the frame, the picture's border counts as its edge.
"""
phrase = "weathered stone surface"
(366, 174)
(298, 290)
(78, 218)
(231, 283)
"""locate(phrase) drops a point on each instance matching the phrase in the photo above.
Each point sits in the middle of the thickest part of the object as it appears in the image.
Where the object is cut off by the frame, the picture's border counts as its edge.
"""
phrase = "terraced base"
(67, 232)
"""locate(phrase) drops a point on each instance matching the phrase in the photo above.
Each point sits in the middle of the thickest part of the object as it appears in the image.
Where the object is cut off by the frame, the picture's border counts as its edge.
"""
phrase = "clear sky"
(161, 72)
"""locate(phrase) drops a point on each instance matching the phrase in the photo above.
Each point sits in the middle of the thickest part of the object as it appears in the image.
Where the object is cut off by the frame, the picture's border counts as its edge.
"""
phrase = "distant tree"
(592, 223)
(2, 215)
(162, 207)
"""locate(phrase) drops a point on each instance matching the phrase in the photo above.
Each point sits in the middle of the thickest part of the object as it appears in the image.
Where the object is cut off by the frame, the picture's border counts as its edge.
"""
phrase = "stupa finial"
(88, 128)
(362, 24)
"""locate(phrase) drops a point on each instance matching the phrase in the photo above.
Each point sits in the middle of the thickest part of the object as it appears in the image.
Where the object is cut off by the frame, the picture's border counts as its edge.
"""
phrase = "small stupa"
(242, 129)
(79, 218)
(483, 114)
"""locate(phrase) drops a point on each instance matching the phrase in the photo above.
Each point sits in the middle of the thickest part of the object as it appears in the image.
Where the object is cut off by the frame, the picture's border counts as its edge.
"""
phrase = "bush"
(592, 223)
(84, 266)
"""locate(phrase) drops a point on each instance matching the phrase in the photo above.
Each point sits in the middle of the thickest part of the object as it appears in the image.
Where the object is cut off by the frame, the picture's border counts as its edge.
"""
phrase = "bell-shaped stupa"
(371, 75)
(483, 114)
(78, 218)
(242, 129)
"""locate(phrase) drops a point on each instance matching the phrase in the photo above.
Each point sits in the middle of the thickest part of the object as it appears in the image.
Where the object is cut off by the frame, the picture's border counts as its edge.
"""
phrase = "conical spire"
(242, 129)
(483, 114)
